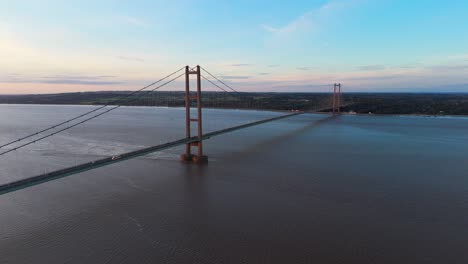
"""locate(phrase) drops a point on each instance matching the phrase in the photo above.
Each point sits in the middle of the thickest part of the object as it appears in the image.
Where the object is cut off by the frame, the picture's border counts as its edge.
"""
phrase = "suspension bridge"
(190, 99)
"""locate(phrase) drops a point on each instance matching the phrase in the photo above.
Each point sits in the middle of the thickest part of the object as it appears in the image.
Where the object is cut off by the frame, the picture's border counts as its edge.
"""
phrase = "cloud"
(97, 77)
(302, 21)
(273, 65)
(460, 57)
(448, 67)
(303, 68)
(301, 88)
(133, 21)
(130, 58)
(408, 66)
(269, 28)
(64, 79)
(241, 65)
(81, 82)
(306, 20)
(376, 67)
(263, 73)
(285, 86)
(374, 78)
(230, 77)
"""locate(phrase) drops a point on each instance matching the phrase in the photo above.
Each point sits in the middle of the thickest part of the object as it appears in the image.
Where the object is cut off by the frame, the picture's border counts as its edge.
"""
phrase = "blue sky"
(306, 45)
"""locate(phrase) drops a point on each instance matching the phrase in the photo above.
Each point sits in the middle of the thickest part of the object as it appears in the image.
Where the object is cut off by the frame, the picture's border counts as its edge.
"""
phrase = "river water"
(308, 189)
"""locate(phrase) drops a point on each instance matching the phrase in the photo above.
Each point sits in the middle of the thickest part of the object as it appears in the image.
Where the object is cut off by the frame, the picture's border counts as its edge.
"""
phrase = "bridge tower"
(336, 98)
(188, 156)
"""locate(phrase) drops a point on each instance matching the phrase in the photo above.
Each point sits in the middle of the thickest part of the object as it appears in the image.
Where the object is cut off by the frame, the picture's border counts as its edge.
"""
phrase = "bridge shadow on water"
(283, 137)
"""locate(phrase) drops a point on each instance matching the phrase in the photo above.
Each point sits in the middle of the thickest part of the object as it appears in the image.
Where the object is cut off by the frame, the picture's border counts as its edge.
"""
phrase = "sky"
(52, 46)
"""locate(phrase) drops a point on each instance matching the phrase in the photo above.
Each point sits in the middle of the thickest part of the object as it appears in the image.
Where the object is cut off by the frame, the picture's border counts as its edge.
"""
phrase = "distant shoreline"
(266, 110)
(418, 104)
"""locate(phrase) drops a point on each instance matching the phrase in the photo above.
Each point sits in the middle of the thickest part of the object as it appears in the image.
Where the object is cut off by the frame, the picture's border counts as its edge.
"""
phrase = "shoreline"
(381, 104)
(244, 109)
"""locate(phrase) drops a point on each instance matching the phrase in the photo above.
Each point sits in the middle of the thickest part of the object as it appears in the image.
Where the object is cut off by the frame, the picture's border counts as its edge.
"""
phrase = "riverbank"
(362, 103)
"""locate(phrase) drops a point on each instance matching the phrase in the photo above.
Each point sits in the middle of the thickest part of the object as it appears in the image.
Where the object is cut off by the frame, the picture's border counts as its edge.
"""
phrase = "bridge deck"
(35, 180)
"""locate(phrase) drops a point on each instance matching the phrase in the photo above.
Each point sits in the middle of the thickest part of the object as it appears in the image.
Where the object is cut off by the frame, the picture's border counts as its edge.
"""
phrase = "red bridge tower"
(188, 156)
(337, 98)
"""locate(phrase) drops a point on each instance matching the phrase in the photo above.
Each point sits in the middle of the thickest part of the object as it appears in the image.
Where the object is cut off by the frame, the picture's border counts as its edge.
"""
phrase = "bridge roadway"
(43, 178)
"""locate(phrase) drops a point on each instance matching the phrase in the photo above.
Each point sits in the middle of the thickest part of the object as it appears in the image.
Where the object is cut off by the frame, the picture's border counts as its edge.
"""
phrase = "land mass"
(376, 103)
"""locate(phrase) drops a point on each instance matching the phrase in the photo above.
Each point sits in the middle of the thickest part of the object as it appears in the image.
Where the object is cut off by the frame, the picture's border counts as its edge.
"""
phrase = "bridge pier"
(336, 105)
(188, 156)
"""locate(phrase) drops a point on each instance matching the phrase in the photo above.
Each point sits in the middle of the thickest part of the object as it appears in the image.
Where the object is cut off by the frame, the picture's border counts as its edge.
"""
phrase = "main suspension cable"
(85, 120)
(89, 112)
(219, 80)
(213, 83)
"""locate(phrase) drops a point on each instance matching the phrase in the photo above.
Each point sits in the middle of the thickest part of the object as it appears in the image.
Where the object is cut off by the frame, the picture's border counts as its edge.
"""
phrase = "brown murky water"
(354, 189)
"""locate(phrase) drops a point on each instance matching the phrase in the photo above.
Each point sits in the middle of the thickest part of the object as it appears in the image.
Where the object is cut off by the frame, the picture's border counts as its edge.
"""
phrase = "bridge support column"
(188, 156)
(336, 98)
